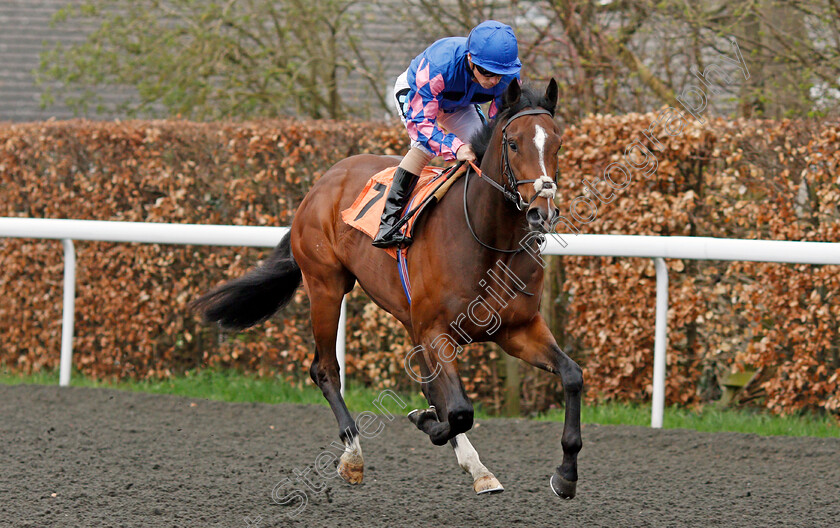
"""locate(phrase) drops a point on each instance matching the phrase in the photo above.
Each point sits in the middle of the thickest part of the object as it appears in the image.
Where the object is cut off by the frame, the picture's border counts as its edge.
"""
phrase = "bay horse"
(490, 236)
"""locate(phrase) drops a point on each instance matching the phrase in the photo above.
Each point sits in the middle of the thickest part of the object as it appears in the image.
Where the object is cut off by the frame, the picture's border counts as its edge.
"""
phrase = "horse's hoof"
(351, 466)
(417, 416)
(565, 489)
(487, 484)
(352, 473)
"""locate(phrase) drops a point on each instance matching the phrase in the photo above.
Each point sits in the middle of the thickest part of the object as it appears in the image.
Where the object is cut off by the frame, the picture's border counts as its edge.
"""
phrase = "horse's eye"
(512, 145)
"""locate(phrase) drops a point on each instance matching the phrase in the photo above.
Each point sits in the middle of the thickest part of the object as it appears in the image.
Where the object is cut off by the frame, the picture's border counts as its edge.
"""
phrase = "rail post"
(69, 309)
(660, 345)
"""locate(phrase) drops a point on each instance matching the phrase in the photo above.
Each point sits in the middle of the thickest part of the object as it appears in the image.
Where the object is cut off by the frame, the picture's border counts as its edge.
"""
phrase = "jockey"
(438, 98)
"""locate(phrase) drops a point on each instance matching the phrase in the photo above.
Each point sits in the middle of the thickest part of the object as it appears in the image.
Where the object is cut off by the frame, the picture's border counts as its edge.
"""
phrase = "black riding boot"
(404, 182)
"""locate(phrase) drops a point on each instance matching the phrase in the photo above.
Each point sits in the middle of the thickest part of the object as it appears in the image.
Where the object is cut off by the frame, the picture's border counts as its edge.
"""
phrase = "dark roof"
(25, 32)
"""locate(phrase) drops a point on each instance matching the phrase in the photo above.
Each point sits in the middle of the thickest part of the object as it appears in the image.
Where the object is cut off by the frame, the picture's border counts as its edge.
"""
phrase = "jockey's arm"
(421, 119)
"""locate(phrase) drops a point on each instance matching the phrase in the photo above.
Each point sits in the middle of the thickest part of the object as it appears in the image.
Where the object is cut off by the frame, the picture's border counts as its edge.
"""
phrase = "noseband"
(510, 189)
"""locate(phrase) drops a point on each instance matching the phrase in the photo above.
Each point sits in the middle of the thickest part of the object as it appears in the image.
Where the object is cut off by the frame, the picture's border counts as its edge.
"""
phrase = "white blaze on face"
(539, 141)
(544, 185)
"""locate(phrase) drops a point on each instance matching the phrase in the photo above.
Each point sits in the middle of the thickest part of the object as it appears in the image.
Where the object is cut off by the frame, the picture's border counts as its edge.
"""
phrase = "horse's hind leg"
(483, 480)
(325, 297)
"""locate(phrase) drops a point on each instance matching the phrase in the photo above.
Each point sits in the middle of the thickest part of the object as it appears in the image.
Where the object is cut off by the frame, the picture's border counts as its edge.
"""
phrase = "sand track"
(116, 458)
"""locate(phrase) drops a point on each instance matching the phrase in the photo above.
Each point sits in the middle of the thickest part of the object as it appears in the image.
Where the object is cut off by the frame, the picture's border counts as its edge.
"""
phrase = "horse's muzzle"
(539, 220)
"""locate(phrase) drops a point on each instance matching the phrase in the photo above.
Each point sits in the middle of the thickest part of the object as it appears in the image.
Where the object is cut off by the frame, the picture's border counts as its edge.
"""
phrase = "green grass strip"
(709, 419)
(234, 386)
(231, 386)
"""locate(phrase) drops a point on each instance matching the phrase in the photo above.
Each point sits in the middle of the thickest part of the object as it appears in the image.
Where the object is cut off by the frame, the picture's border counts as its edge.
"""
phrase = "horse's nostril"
(535, 216)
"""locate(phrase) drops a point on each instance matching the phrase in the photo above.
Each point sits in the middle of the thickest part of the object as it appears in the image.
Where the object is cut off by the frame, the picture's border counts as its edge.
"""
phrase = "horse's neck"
(497, 223)
(469, 266)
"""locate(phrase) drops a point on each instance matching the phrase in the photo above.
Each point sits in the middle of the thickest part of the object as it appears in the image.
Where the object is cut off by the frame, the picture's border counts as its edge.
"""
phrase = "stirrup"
(390, 239)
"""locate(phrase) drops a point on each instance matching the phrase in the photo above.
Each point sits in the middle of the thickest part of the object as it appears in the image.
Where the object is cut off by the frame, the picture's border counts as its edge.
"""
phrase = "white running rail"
(657, 248)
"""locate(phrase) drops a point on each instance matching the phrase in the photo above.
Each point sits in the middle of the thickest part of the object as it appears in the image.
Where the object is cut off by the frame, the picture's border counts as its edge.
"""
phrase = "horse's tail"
(255, 296)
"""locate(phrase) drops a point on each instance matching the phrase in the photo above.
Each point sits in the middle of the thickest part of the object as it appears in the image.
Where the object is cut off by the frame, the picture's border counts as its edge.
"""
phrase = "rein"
(467, 214)
(472, 231)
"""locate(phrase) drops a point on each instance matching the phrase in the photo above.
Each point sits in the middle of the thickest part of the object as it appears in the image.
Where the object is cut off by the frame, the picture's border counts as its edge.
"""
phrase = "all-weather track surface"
(97, 457)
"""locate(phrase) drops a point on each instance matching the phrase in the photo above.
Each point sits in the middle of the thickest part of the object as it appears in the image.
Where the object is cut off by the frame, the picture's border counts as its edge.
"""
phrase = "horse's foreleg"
(483, 480)
(534, 344)
(445, 392)
(325, 300)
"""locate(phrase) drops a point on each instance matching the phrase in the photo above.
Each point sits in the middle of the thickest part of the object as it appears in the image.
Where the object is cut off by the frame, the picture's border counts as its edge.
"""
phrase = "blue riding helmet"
(492, 45)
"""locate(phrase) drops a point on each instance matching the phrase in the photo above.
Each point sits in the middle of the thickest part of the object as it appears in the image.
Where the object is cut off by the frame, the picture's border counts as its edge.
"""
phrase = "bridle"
(511, 194)
(510, 188)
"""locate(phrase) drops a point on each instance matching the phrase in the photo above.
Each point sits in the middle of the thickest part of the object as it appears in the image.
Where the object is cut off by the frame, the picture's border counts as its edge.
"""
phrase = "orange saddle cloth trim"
(366, 211)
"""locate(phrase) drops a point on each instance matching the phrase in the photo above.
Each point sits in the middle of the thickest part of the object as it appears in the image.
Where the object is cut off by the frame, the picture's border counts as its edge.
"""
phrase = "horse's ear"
(512, 94)
(551, 96)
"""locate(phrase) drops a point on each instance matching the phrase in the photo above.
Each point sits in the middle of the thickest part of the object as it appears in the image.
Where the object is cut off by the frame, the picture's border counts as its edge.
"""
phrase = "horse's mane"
(530, 98)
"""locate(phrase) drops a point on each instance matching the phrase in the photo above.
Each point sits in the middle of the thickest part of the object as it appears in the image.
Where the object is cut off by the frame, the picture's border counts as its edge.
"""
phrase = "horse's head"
(529, 143)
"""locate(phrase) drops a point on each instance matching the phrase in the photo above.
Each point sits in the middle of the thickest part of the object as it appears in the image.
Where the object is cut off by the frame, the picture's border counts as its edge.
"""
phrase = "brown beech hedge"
(736, 179)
